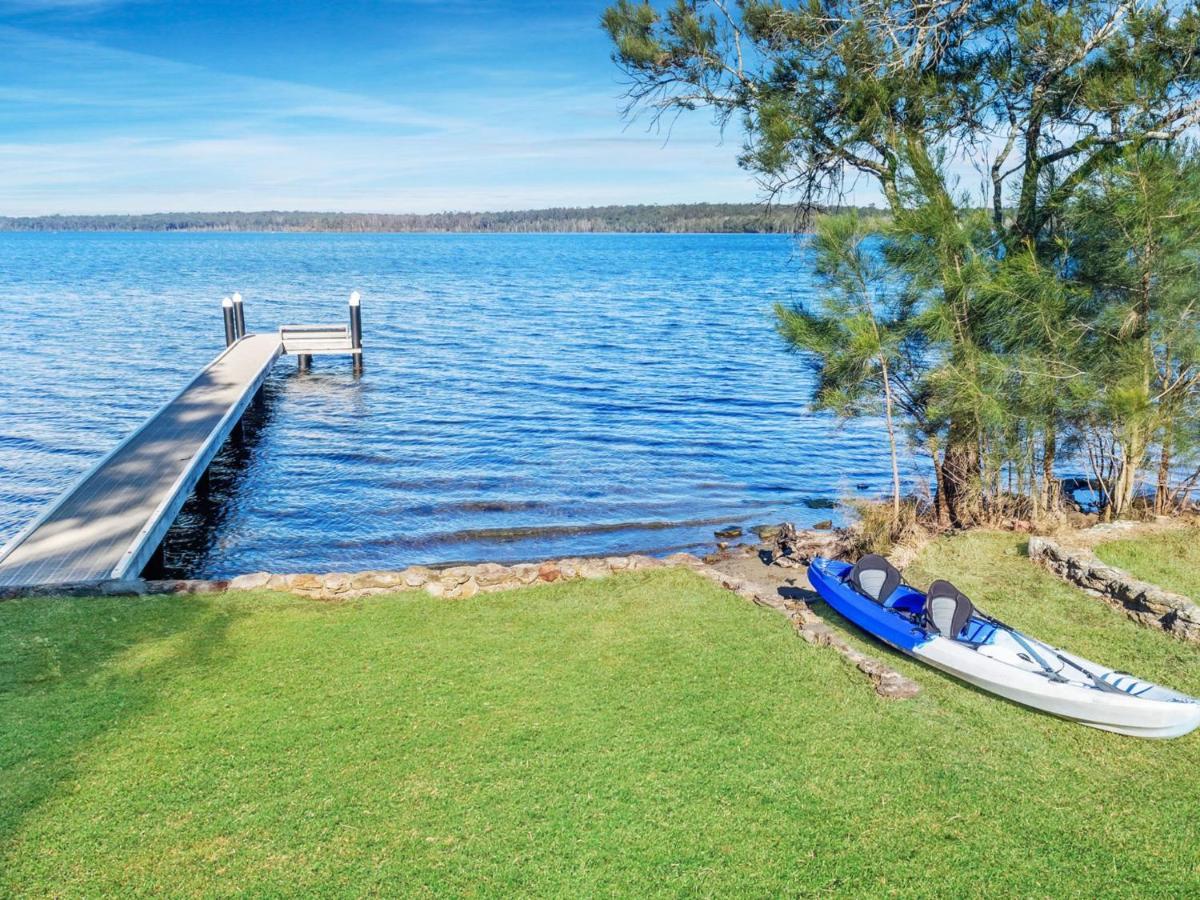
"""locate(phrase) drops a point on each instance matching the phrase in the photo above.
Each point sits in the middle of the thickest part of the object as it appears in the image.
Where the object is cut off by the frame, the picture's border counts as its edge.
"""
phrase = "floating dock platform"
(108, 526)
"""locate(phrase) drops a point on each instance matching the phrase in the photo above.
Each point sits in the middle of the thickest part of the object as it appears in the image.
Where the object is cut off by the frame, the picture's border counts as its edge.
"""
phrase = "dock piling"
(356, 330)
(231, 334)
(239, 310)
(307, 341)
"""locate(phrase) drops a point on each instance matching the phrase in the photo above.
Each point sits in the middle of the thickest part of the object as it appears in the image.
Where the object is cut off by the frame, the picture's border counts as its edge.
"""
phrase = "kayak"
(942, 628)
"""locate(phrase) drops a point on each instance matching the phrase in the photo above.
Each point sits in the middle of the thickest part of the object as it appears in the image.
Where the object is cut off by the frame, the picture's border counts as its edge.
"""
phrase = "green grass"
(642, 735)
(1170, 559)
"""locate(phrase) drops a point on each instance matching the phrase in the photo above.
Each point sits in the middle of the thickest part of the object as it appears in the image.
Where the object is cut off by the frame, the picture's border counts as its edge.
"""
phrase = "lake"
(525, 396)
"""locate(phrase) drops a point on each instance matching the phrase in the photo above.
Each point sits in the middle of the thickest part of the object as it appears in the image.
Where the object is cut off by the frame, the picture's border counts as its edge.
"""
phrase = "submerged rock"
(729, 531)
(767, 532)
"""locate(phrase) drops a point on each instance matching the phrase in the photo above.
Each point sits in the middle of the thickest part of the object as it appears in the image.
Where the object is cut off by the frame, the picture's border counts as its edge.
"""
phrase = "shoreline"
(452, 580)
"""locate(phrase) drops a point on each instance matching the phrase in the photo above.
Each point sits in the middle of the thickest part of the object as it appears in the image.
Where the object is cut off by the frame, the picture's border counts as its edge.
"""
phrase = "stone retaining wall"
(888, 682)
(454, 583)
(1143, 602)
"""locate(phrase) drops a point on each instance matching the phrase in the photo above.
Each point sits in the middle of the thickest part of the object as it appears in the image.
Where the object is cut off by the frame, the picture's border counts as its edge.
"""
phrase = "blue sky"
(388, 106)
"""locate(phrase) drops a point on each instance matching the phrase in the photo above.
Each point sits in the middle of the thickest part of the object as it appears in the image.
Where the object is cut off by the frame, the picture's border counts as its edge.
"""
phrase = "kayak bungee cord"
(1097, 682)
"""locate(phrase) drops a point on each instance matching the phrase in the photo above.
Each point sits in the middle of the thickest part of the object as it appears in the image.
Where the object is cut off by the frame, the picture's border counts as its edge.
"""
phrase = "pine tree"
(1041, 95)
(856, 334)
(1135, 237)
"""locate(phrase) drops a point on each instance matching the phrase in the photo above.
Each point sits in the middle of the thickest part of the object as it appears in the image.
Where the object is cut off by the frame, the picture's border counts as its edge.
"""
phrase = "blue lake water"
(525, 396)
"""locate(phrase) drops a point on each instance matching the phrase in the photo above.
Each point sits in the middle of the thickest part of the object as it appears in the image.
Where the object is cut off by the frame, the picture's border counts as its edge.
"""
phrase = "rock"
(376, 579)
(819, 503)
(686, 560)
(549, 572)
(617, 563)
(158, 586)
(823, 525)
(525, 573)
(435, 589)
(466, 590)
(644, 562)
(336, 582)
(893, 685)
(488, 574)
(454, 575)
(794, 549)
(251, 582)
(305, 583)
(594, 569)
(767, 532)
(729, 531)
(722, 545)
(194, 586)
(416, 576)
(132, 587)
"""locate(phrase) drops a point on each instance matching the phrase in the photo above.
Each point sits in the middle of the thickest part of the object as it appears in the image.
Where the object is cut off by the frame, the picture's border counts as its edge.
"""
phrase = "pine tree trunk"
(891, 431)
(940, 509)
(1133, 453)
(960, 475)
(1162, 492)
(1050, 485)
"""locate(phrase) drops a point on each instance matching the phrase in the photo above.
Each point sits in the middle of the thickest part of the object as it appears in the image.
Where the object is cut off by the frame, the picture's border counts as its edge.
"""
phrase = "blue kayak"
(943, 628)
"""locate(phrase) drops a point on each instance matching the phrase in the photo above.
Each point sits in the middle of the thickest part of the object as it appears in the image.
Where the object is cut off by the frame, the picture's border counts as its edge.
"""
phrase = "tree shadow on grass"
(74, 670)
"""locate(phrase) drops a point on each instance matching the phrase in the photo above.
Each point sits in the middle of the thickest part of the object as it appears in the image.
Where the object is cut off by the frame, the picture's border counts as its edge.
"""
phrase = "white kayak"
(943, 629)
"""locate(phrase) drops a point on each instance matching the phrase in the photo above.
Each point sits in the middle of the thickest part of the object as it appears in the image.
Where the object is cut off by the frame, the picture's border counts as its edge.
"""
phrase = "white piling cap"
(354, 298)
(237, 298)
(227, 302)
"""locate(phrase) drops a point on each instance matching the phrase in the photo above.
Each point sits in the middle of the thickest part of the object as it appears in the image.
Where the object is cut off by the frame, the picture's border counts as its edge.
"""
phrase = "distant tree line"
(723, 218)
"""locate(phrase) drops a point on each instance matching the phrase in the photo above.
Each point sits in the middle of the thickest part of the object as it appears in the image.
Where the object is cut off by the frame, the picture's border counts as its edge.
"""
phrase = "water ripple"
(525, 395)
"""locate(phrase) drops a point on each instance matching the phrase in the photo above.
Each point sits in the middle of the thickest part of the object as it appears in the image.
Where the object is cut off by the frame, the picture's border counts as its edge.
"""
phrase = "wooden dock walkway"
(109, 525)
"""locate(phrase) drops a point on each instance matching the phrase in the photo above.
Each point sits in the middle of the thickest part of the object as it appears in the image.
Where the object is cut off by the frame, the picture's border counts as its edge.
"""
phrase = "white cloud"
(105, 131)
(427, 174)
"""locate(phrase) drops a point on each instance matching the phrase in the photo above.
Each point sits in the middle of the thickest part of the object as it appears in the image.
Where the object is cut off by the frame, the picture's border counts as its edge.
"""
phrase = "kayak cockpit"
(944, 611)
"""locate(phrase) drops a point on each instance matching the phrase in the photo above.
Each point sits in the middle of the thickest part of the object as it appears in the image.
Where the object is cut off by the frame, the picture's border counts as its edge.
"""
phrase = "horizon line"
(765, 205)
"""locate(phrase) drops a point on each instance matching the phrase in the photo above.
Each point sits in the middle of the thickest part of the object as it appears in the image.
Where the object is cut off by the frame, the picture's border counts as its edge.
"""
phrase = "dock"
(109, 525)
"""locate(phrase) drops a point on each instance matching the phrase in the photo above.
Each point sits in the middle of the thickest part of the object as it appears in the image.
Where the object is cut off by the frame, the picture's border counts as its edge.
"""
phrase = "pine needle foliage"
(1035, 347)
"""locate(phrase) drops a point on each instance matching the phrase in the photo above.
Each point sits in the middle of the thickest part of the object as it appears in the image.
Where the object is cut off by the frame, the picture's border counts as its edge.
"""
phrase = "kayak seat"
(947, 610)
(875, 577)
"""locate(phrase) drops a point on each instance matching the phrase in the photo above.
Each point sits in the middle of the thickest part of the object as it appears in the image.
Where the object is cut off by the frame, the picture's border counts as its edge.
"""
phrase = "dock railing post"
(356, 330)
(239, 310)
(230, 322)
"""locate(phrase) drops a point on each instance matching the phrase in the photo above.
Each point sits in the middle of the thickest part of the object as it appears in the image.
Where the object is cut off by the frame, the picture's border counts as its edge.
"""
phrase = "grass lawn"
(1170, 559)
(648, 734)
